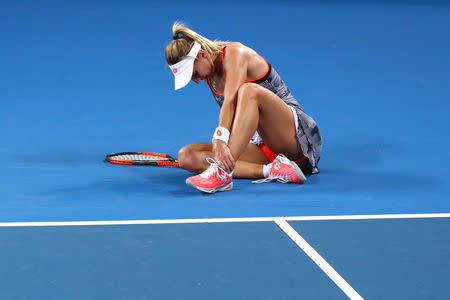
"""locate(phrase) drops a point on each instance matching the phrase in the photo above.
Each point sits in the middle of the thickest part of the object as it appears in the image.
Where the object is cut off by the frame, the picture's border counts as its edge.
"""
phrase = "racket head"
(142, 158)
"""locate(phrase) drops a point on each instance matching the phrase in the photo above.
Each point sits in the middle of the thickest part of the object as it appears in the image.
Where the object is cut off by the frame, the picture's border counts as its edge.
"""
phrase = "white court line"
(225, 220)
(322, 263)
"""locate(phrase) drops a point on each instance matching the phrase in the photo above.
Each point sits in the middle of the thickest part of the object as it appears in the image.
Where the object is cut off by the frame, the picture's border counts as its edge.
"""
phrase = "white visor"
(182, 70)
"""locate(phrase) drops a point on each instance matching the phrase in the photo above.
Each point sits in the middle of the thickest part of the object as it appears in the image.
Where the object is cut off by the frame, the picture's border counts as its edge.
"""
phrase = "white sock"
(266, 169)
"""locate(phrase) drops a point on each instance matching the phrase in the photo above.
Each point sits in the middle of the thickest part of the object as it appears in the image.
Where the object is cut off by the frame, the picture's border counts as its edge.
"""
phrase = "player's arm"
(235, 65)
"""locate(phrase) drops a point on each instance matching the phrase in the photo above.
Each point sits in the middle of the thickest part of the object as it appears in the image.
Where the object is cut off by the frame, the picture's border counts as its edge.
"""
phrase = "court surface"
(83, 79)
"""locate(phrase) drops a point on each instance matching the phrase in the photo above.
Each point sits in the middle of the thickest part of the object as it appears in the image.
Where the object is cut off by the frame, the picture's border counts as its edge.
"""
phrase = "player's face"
(202, 67)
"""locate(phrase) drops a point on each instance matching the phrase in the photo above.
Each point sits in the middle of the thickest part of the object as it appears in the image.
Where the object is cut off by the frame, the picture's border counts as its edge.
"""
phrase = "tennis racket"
(142, 158)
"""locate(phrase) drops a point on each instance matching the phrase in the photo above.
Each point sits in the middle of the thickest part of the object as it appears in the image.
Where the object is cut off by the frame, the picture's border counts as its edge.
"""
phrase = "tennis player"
(262, 132)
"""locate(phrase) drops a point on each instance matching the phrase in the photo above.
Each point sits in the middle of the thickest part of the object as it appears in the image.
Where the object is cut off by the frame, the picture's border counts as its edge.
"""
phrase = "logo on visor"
(175, 71)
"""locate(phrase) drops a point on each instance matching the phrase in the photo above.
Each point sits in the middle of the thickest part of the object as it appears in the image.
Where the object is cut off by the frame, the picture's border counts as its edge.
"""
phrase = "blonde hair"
(177, 49)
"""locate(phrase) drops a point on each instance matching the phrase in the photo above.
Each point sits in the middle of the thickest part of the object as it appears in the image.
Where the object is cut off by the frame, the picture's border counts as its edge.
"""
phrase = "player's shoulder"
(237, 49)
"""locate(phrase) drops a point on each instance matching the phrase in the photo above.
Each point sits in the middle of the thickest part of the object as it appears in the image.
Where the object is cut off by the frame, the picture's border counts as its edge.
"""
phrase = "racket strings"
(139, 157)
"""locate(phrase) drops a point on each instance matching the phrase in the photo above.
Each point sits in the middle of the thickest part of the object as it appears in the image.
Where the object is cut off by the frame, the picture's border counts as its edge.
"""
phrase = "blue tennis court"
(83, 79)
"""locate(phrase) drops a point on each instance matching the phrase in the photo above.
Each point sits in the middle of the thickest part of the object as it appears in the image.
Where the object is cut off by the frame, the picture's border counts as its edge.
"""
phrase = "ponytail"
(183, 40)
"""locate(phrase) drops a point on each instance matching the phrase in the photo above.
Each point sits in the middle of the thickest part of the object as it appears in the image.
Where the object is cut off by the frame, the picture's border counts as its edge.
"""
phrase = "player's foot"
(214, 179)
(283, 170)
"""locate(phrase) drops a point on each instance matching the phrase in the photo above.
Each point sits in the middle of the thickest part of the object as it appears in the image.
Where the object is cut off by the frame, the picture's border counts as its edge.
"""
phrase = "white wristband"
(222, 134)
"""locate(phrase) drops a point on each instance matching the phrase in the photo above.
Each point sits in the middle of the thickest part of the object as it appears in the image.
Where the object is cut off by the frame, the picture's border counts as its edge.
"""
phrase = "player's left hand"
(222, 155)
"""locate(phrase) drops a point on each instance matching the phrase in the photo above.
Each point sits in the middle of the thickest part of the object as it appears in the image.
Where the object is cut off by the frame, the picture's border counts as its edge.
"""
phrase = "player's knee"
(248, 90)
(187, 158)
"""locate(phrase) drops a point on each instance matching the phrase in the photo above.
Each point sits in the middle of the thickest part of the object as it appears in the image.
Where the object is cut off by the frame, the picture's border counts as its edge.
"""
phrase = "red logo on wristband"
(219, 133)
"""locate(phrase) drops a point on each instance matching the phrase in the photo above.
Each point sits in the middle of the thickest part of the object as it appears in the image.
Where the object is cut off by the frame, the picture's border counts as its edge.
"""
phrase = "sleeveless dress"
(308, 133)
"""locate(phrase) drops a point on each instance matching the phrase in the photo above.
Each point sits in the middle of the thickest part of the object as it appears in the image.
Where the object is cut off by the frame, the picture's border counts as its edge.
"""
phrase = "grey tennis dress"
(308, 133)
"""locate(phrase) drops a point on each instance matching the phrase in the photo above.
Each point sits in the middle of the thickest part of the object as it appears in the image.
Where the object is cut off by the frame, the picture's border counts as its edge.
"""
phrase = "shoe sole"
(222, 188)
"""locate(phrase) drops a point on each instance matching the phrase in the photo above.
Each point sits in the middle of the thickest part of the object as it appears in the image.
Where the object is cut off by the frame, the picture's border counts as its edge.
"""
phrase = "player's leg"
(260, 109)
(192, 157)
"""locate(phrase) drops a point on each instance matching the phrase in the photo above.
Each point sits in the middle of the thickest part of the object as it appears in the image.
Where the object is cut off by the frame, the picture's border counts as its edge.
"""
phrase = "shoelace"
(283, 178)
(214, 167)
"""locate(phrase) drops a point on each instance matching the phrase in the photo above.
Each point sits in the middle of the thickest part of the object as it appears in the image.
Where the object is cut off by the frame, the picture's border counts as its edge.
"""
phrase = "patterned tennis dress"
(308, 133)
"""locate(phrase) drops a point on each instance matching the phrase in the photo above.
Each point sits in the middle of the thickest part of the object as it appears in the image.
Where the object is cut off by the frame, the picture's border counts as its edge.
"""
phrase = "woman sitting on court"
(262, 132)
